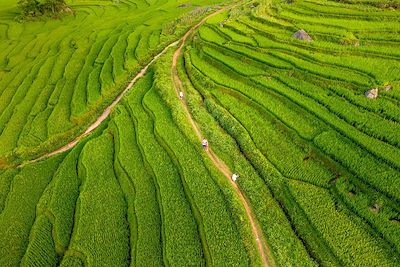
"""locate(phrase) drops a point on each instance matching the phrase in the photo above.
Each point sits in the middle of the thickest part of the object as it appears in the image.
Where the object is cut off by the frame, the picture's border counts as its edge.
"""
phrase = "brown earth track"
(259, 239)
(105, 113)
(256, 231)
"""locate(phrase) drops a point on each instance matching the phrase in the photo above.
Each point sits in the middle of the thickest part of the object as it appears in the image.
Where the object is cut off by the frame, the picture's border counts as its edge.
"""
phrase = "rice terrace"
(199, 133)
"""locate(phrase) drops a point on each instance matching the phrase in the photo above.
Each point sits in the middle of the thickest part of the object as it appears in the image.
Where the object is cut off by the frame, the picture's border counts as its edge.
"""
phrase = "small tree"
(33, 8)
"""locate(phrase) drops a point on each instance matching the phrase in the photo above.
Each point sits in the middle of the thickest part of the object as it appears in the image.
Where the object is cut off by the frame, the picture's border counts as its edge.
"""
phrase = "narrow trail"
(105, 113)
(178, 85)
(261, 244)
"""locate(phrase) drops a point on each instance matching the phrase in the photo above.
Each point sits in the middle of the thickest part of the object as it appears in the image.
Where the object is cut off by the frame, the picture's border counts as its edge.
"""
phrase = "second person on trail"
(205, 144)
(235, 176)
(180, 95)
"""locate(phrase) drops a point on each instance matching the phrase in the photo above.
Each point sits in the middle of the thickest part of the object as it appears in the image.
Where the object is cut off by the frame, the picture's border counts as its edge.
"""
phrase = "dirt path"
(259, 239)
(108, 110)
(262, 248)
(105, 113)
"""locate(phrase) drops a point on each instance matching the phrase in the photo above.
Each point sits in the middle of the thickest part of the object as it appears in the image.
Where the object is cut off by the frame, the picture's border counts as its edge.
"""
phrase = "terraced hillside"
(112, 192)
(297, 111)
(319, 162)
(56, 76)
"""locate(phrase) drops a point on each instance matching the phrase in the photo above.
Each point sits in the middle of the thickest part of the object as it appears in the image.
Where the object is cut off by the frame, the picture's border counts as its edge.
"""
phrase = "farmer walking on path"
(205, 144)
(234, 177)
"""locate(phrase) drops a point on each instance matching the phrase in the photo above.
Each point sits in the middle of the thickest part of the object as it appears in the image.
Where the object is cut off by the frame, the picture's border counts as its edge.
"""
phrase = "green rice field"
(318, 161)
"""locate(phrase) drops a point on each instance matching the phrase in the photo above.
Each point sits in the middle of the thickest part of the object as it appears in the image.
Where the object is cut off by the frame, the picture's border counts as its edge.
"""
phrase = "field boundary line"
(222, 167)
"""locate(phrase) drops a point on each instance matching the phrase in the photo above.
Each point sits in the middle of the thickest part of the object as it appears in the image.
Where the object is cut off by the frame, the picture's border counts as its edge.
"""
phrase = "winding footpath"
(256, 231)
(105, 113)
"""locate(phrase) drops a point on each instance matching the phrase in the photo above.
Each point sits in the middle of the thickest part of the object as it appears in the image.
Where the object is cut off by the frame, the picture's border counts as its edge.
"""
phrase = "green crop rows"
(297, 110)
(57, 76)
(319, 163)
(112, 192)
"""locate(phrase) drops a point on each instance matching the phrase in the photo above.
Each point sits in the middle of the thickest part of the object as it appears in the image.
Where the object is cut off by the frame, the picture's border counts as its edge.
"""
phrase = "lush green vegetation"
(56, 76)
(319, 163)
(112, 191)
(298, 113)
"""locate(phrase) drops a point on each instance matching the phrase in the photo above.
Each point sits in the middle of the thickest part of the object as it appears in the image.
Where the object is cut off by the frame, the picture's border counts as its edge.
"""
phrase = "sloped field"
(130, 194)
(56, 76)
(299, 108)
(319, 163)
